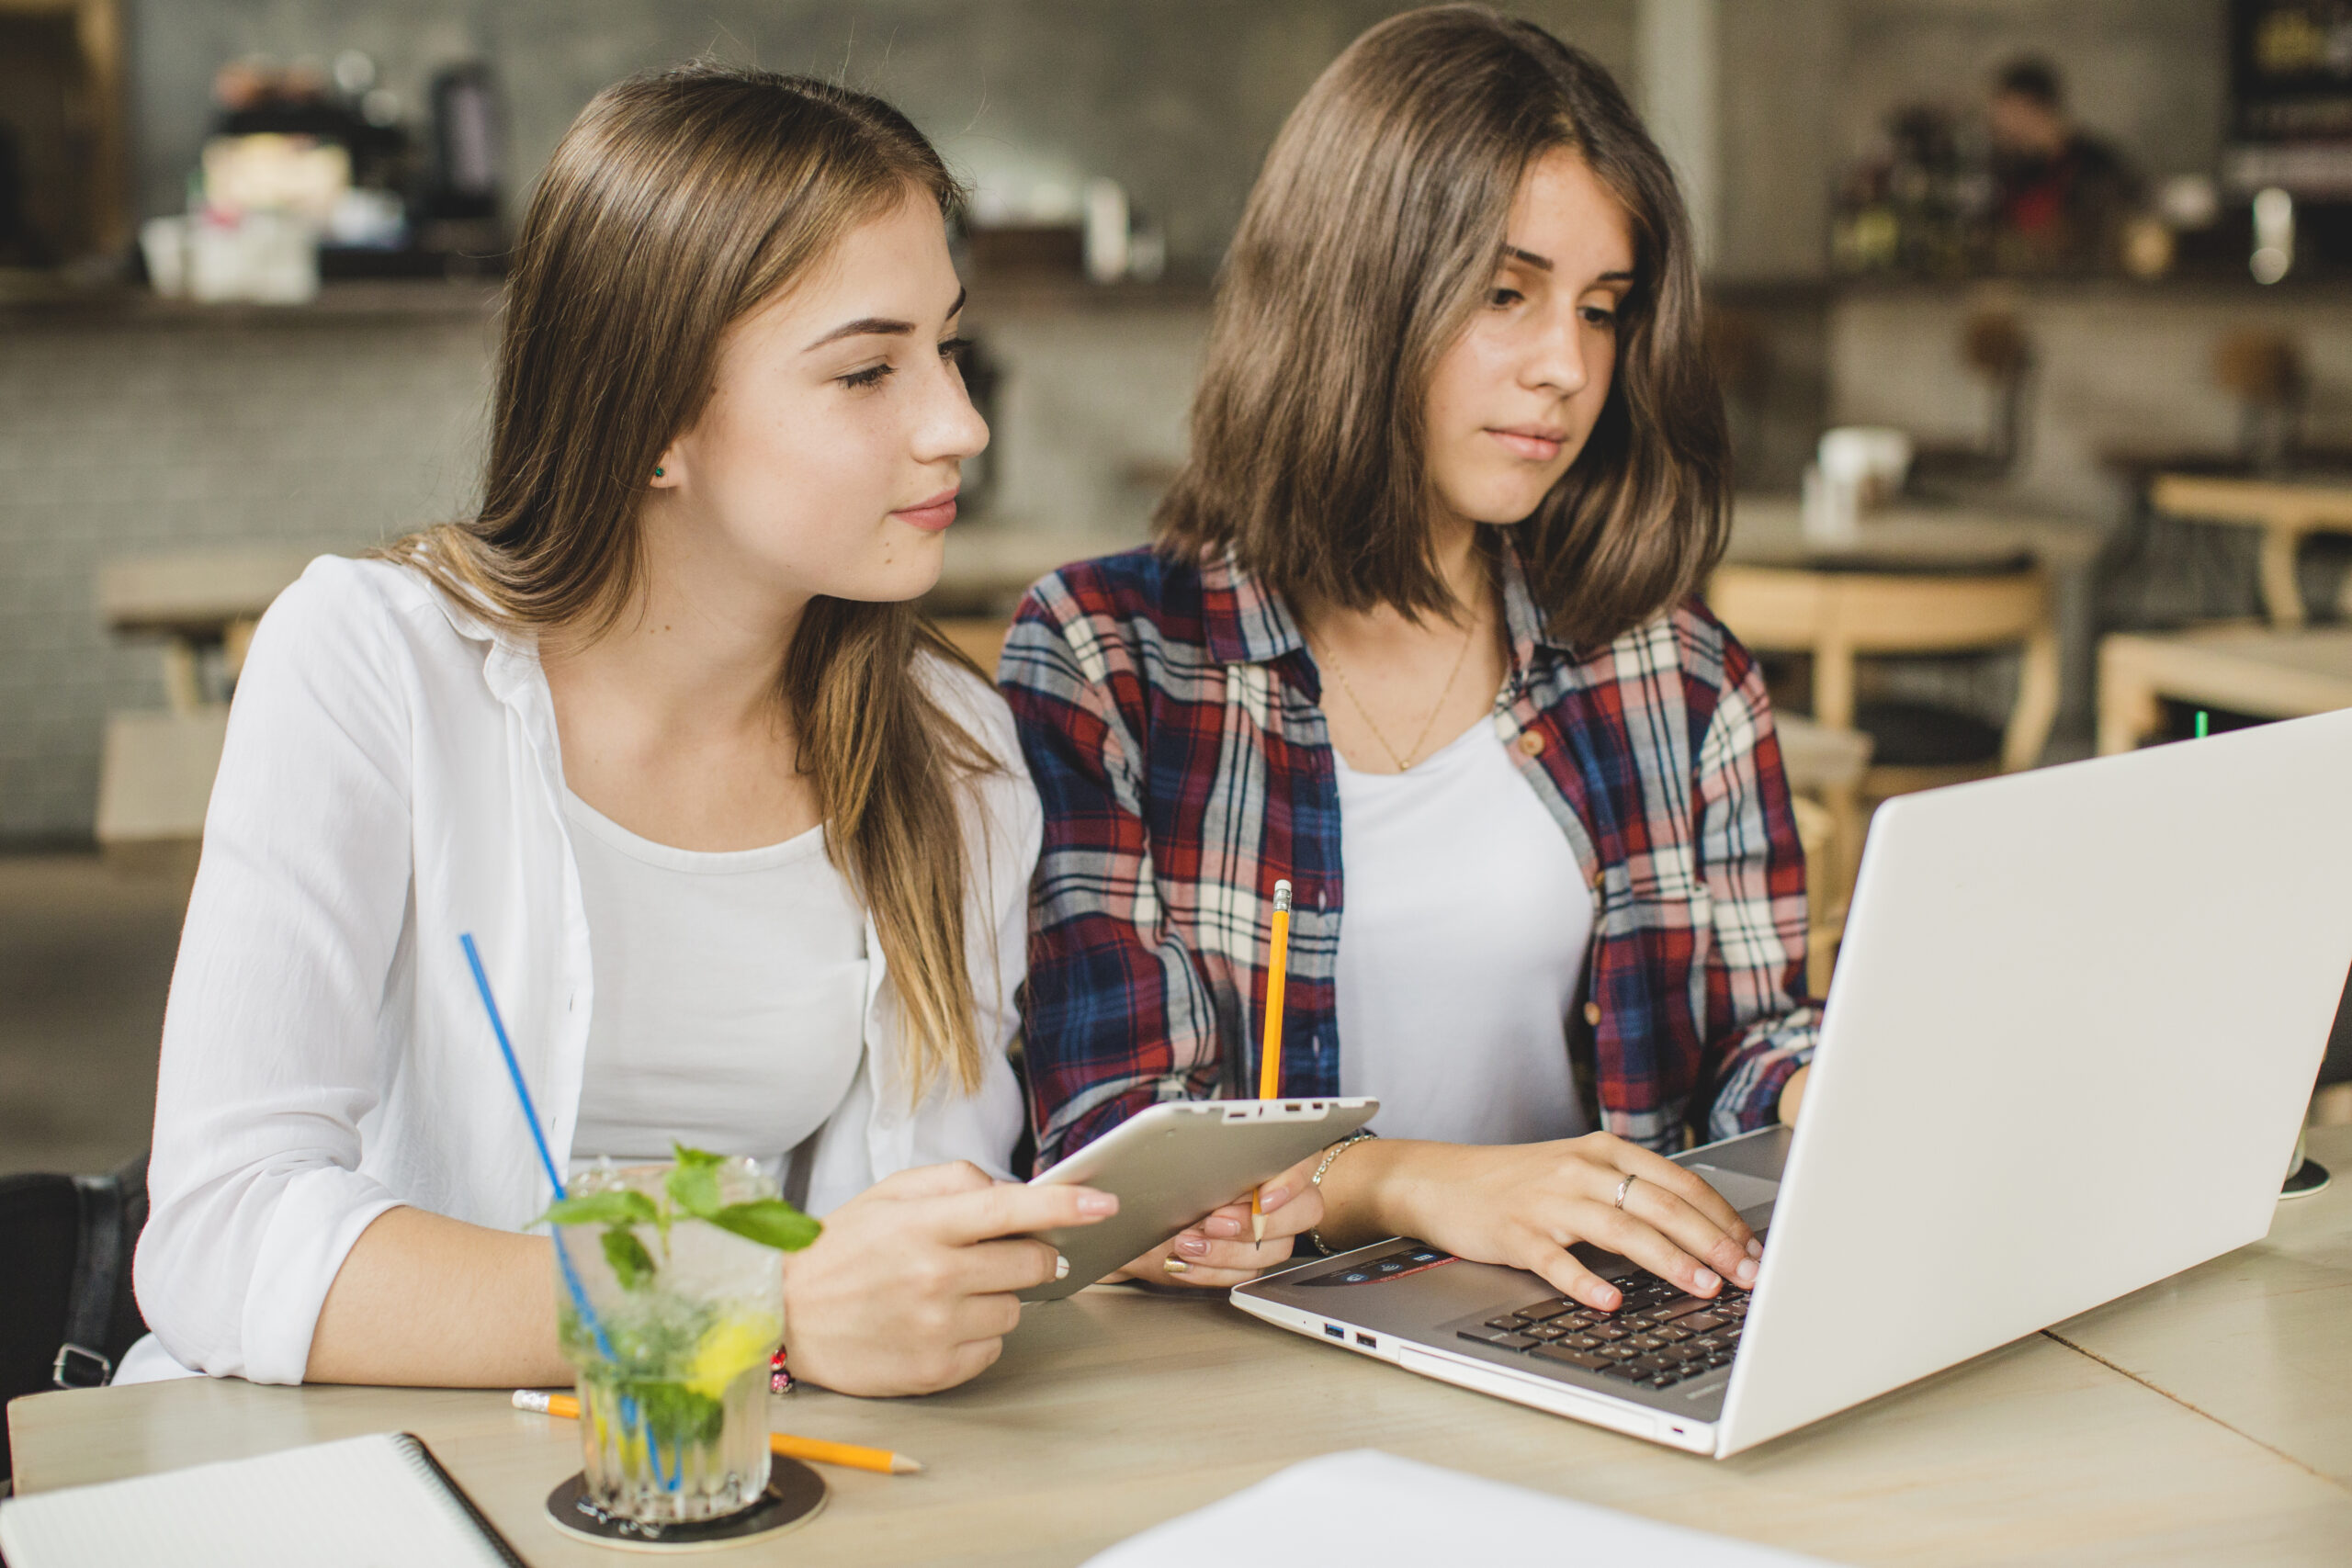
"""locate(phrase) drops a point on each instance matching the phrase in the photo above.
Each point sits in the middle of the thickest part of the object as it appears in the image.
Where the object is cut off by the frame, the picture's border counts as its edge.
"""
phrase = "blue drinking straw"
(563, 1260)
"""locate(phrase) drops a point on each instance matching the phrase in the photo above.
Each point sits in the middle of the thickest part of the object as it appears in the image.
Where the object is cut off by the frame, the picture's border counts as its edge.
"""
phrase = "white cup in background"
(1869, 460)
(163, 243)
(1829, 511)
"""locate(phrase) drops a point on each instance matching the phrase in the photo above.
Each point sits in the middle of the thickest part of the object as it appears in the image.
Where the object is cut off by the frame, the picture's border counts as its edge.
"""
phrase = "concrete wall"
(1178, 99)
(154, 439)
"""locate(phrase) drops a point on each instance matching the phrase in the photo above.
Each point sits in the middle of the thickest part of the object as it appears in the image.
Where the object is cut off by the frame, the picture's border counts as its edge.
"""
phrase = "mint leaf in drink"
(695, 1188)
(675, 1415)
(617, 1206)
(632, 1265)
(771, 1221)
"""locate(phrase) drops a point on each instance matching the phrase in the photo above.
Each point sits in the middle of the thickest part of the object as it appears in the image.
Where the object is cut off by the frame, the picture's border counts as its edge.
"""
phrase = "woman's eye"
(870, 377)
(1599, 316)
(1504, 299)
(952, 349)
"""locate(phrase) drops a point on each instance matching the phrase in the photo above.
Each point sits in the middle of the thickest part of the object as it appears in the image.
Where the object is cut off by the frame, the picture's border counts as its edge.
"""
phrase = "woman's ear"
(668, 472)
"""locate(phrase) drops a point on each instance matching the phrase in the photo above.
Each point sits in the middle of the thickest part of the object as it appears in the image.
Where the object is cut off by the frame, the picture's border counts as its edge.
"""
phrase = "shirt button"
(1592, 1014)
(1530, 744)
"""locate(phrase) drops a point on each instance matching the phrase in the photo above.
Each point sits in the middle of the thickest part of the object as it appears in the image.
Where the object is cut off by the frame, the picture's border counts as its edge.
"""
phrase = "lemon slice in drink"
(727, 1347)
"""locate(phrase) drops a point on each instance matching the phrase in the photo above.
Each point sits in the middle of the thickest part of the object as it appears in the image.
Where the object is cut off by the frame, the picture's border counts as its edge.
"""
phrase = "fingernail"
(1176, 1266)
(1747, 1273)
(1755, 1248)
(1705, 1279)
(1097, 1203)
(1273, 1197)
(1193, 1247)
(1061, 1267)
(1222, 1227)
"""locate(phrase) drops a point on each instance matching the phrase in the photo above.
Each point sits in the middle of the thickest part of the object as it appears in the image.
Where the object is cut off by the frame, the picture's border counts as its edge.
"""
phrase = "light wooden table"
(2285, 514)
(2201, 1421)
(2280, 673)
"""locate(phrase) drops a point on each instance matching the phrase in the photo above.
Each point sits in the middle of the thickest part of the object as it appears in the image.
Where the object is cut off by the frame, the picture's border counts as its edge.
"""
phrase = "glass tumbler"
(670, 1357)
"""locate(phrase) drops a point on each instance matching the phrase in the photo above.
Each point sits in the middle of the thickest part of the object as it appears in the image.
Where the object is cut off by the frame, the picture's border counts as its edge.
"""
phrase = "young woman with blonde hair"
(1419, 635)
(744, 846)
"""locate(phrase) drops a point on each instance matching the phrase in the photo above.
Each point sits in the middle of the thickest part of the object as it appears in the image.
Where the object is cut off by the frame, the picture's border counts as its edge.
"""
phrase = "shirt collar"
(1248, 623)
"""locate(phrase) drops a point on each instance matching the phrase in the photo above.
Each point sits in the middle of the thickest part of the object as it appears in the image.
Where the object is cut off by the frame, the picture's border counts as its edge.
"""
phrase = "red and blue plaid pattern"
(1169, 715)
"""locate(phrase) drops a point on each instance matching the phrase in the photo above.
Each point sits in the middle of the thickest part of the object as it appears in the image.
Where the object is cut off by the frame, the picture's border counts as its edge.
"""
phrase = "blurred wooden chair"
(2264, 370)
(1845, 609)
(1825, 770)
(155, 771)
(1998, 351)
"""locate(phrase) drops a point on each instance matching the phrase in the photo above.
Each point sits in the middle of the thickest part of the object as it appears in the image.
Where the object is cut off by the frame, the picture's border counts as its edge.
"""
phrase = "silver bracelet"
(1315, 1233)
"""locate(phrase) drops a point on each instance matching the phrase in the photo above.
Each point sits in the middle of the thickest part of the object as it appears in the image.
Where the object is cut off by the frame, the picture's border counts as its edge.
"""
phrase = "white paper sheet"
(1369, 1510)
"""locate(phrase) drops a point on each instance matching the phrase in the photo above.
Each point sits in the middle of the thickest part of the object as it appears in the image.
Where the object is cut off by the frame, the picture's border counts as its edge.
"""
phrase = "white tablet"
(1177, 1161)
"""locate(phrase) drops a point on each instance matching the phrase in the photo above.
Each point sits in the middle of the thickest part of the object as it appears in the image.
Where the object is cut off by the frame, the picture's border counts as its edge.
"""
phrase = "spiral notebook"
(381, 1499)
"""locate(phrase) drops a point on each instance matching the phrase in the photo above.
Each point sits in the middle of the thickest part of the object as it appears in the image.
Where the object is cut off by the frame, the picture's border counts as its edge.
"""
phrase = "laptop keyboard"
(1658, 1338)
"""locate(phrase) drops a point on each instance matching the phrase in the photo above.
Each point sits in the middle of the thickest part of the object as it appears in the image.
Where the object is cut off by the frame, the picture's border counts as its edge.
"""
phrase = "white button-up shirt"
(392, 779)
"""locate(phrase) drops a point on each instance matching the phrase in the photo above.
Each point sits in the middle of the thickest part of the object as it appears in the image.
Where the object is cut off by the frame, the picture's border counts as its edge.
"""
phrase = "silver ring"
(1624, 1187)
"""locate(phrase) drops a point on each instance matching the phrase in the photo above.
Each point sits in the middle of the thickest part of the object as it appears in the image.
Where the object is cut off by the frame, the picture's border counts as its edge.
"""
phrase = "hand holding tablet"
(1177, 1163)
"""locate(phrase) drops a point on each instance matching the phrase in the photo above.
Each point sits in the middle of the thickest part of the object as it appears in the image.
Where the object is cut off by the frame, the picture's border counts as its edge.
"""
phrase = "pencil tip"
(1257, 1229)
(902, 1465)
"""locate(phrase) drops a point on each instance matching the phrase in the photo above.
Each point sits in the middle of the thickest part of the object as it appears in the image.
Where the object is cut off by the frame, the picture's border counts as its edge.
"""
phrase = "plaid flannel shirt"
(1169, 715)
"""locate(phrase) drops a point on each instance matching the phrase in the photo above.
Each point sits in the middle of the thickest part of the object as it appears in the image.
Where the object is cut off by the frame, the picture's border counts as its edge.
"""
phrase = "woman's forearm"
(1371, 1190)
(425, 1300)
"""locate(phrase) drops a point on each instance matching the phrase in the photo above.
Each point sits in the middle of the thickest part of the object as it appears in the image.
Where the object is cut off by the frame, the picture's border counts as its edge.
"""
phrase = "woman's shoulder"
(1146, 586)
(341, 599)
(1684, 640)
(1141, 613)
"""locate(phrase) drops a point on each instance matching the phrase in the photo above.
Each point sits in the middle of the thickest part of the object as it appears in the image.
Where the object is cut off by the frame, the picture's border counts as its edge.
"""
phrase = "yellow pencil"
(848, 1456)
(1270, 1053)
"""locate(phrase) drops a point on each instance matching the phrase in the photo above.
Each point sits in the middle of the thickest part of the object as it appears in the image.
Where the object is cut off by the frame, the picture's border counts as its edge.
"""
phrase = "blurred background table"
(2258, 672)
(1769, 530)
(2197, 1421)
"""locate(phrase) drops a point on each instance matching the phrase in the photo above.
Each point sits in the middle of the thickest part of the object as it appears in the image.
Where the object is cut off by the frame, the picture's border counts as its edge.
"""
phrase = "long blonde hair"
(677, 203)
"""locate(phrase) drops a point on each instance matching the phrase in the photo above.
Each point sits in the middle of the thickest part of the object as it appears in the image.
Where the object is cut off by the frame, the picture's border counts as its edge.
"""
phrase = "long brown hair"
(1370, 237)
(677, 203)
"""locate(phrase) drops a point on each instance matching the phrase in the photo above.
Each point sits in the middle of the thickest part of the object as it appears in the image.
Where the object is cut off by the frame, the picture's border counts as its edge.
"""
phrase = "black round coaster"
(795, 1495)
(2309, 1178)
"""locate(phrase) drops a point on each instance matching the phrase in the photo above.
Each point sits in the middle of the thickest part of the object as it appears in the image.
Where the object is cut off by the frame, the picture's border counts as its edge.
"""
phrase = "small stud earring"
(657, 473)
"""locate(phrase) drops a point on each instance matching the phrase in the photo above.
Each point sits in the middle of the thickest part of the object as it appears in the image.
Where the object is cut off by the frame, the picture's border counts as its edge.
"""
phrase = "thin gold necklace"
(1421, 740)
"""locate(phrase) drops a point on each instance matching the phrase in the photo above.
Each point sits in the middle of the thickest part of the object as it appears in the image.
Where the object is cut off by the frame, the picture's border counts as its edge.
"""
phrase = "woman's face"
(1515, 398)
(828, 457)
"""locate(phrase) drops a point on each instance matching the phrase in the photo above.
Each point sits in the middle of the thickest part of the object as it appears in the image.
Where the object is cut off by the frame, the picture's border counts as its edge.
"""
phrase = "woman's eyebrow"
(882, 326)
(1543, 263)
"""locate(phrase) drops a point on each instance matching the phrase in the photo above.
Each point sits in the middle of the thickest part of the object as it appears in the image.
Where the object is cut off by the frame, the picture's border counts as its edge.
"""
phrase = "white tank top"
(730, 993)
(1462, 948)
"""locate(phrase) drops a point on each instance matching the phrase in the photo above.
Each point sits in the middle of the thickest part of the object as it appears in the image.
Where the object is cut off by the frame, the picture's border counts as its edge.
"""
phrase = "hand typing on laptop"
(1523, 1205)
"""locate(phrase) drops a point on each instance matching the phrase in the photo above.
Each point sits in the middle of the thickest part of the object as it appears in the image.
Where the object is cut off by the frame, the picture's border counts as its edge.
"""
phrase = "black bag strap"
(81, 1360)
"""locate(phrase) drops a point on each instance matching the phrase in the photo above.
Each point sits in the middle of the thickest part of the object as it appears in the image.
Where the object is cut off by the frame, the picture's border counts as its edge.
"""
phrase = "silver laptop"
(2076, 1024)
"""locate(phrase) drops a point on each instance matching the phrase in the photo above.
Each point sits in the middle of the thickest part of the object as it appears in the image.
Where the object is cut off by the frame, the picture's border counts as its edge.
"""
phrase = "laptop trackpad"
(1741, 1191)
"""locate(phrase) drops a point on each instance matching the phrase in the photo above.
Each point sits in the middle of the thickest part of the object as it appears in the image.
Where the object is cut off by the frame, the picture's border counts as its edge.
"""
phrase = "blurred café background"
(2033, 319)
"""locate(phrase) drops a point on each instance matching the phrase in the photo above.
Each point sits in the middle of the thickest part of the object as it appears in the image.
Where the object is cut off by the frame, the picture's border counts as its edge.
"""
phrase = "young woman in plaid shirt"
(1458, 468)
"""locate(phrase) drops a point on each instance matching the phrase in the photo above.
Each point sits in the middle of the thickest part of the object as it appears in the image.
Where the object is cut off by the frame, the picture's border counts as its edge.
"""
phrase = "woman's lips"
(931, 516)
(1532, 442)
